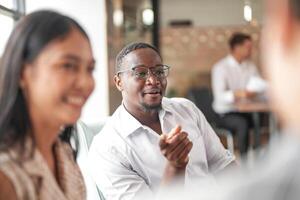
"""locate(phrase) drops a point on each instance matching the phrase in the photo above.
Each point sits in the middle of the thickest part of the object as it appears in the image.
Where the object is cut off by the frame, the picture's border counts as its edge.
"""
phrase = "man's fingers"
(162, 142)
(183, 158)
(174, 145)
(184, 154)
(174, 155)
(183, 162)
(174, 131)
(177, 138)
(175, 141)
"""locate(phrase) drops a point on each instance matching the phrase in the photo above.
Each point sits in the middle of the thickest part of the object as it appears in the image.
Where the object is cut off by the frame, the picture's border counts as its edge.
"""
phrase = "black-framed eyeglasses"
(143, 72)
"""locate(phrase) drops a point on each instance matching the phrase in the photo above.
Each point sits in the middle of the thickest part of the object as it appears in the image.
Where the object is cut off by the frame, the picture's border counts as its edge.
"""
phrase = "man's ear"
(118, 83)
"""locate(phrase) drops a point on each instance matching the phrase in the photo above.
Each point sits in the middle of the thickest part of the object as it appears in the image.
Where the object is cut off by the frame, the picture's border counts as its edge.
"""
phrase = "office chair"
(83, 136)
(202, 97)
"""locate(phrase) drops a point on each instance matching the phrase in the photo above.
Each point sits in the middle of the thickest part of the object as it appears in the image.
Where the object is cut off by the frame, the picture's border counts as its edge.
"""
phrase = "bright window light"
(148, 17)
(7, 3)
(247, 13)
(6, 24)
(118, 17)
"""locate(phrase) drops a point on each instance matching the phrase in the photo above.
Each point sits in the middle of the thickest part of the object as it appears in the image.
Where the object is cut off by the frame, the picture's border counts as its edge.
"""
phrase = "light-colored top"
(227, 76)
(32, 179)
(125, 159)
(275, 175)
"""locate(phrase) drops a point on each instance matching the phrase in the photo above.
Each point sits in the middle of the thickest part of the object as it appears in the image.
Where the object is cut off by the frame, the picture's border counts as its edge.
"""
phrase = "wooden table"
(255, 108)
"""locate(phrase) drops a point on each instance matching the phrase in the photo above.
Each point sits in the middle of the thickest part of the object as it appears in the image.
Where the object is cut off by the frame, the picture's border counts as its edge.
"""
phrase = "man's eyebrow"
(142, 65)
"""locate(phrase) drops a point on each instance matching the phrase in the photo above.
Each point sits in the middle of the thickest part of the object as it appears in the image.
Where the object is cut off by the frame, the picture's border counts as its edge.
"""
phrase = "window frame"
(16, 12)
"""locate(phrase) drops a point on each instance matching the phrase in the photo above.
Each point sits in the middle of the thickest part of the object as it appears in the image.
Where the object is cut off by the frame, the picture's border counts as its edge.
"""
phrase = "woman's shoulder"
(14, 181)
(7, 190)
(7, 172)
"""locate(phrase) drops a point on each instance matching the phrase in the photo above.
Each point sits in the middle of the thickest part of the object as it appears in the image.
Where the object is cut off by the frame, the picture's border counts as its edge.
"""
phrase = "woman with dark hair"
(45, 79)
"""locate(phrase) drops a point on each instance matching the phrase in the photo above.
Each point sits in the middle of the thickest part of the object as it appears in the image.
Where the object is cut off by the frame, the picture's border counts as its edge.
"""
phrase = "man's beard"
(151, 108)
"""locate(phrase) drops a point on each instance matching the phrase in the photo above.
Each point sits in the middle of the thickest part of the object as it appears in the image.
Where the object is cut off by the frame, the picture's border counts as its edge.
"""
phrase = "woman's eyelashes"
(70, 66)
(91, 69)
(76, 66)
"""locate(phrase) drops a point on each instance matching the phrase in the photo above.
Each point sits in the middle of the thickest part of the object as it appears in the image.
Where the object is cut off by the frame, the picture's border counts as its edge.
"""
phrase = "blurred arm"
(7, 190)
(220, 90)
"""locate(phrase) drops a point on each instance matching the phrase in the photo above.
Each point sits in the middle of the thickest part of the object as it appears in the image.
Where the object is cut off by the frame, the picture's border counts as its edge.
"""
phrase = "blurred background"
(192, 36)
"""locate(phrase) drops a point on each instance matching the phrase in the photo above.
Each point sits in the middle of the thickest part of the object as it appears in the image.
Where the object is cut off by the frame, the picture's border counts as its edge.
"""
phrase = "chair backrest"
(90, 130)
(84, 135)
(203, 99)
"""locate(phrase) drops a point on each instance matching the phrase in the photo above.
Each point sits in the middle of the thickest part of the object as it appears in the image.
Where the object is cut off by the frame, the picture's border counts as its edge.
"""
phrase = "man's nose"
(152, 78)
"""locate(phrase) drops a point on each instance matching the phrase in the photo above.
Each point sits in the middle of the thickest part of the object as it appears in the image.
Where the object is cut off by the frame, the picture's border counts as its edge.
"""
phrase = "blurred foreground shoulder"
(7, 190)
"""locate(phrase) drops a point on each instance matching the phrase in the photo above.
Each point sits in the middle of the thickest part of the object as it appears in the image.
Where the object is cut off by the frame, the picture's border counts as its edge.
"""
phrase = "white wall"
(7, 25)
(209, 12)
(91, 14)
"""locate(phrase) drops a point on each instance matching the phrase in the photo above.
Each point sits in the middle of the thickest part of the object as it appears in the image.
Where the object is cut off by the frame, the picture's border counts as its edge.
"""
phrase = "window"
(10, 12)
(6, 27)
(7, 3)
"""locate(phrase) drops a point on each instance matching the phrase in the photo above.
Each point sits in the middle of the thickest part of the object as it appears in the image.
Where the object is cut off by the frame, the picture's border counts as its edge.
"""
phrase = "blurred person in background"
(45, 79)
(232, 78)
(277, 175)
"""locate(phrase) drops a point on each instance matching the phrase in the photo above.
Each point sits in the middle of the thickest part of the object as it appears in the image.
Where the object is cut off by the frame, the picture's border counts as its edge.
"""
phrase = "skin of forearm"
(173, 174)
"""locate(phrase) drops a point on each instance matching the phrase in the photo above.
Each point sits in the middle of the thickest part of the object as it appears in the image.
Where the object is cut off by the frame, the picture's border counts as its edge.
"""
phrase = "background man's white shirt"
(227, 76)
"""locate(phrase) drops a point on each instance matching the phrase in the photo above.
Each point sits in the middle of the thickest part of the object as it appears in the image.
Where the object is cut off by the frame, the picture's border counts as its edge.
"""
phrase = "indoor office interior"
(190, 35)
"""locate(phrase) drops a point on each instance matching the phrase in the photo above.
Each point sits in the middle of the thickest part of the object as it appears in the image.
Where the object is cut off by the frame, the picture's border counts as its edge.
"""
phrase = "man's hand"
(244, 95)
(175, 147)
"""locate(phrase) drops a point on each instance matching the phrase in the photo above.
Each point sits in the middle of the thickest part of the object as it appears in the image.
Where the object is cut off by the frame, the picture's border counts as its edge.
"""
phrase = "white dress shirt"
(227, 76)
(125, 158)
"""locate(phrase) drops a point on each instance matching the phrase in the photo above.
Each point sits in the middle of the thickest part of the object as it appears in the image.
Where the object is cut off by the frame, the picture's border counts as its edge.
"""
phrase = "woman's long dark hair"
(31, 34)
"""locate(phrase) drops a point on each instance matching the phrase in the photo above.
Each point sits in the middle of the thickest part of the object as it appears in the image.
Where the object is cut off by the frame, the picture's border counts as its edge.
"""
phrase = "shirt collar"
(128, 124)
(234, 62)
(166, 106)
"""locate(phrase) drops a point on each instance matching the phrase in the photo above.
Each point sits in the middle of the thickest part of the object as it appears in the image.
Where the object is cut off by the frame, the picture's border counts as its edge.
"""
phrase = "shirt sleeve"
(256, 83)
(217, 156)
(114, 175)
(220, 91)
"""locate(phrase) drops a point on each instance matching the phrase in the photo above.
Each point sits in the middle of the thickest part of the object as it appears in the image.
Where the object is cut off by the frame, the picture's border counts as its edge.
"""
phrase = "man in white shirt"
(151, 141)
(230, 83)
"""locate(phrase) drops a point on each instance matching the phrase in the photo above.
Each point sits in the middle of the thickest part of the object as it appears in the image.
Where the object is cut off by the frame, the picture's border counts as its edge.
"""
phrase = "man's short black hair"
(129, 48)
(238, 39)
